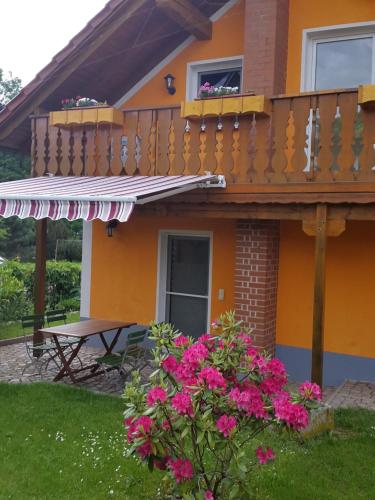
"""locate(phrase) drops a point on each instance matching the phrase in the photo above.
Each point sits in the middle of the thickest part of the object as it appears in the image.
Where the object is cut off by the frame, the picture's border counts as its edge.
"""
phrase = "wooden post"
(40, 273)
(319, 294)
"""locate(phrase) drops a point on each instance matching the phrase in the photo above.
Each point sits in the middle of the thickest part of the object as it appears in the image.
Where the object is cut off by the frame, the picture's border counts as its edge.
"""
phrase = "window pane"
(188, 265)
(188, 314)
(343, 63)
(225, 78)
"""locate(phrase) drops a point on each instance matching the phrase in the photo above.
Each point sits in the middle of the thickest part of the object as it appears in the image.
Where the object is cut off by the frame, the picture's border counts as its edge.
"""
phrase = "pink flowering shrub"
(206, 402)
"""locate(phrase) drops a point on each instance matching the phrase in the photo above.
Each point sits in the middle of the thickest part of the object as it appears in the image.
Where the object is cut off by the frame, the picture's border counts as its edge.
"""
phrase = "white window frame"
(311, 37)
(194, 68)
(161, 287)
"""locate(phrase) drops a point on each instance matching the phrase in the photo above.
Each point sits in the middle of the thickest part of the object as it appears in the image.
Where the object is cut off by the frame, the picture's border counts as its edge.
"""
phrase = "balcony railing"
(319, 138)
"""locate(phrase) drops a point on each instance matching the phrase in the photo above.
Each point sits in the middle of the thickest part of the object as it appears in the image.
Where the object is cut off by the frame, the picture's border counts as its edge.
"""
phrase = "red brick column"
(256, 271)
(266, 46)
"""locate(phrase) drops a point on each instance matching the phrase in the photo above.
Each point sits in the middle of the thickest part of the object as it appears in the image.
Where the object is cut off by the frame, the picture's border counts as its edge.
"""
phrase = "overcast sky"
(33, 31)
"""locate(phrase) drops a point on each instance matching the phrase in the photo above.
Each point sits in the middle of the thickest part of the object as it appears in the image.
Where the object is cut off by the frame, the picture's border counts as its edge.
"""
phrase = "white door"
(185, 282)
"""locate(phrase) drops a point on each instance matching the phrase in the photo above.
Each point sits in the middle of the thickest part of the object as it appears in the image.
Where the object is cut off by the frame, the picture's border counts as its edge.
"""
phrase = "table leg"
(66, 370)
(108, 349)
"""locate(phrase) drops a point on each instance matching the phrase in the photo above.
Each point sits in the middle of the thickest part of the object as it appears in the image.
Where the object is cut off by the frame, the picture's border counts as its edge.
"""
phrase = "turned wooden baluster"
(171, 147)
(327, 106)
(219, 147)
(83, 155)
(179, 131)
(269, 170)
(336, 144)
(235, 149)
(162, 132)
(280, 117)
(46, 156)
(202, 148)
(71, 151)
(34, 147)
(290, 145)
(348, 105)
(152, 145)
(186, 150)
(59, 152)
(301, 114)
(368, 152)
(357, 144)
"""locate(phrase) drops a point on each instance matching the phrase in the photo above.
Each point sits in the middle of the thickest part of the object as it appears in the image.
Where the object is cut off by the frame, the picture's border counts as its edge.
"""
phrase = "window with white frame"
(226, 72)
(338, 57)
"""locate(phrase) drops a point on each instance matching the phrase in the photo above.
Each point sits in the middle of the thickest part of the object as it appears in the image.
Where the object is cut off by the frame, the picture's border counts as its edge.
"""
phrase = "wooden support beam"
(40, 273)
(319, 295)
(191, 19)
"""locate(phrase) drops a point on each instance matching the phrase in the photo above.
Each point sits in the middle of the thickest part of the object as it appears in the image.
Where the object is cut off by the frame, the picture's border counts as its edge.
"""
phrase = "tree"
(9, 88)
(17, 237)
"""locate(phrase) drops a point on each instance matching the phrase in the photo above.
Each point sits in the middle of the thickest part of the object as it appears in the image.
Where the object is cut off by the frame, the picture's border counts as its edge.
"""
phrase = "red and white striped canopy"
(89, 198)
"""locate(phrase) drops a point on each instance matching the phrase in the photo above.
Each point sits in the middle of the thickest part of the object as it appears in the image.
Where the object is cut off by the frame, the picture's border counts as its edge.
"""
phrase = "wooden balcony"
(308, 142)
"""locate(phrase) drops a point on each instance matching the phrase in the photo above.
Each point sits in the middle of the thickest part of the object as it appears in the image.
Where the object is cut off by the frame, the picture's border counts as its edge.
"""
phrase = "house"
(281, 229)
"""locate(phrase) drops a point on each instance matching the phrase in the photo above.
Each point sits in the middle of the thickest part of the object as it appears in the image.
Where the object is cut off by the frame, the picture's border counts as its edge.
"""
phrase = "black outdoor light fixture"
(111, 225)
(169, 79)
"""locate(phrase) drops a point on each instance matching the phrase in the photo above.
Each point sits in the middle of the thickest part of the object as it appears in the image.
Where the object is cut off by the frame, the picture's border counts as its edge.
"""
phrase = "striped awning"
(89, 198)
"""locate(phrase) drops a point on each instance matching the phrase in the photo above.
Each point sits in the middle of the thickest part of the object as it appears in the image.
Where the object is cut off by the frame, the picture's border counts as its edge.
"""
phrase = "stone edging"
(15, 340)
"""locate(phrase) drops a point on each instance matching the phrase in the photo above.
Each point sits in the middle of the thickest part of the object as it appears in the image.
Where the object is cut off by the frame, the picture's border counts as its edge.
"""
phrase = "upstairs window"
(225, 72)
(338, 57)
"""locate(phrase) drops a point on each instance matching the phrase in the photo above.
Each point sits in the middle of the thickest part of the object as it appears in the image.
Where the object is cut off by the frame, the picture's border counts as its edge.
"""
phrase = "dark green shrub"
(17, 287)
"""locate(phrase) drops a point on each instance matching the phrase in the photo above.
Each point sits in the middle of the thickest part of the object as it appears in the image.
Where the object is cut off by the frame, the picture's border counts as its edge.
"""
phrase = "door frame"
(161, 284)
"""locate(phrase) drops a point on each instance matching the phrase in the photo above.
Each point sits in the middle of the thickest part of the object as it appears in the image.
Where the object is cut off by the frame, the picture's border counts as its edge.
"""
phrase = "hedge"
(63, 280)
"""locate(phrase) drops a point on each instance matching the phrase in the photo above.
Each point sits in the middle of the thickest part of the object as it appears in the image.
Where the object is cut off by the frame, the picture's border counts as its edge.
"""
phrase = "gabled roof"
(117, 48)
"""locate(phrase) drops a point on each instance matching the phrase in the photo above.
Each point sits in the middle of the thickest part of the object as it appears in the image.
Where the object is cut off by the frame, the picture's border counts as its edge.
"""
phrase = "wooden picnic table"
(81, 331)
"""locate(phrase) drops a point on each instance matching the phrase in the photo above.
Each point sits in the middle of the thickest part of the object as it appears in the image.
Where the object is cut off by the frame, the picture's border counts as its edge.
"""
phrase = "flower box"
(226, 106)
(366, 96)
(94, 115)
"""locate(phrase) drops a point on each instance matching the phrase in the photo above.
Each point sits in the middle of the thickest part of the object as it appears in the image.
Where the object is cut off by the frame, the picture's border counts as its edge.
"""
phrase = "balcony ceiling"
(117, 48)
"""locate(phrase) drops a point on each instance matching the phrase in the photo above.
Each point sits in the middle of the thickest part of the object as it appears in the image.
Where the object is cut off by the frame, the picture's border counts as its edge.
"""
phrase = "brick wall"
(266, 46)
(256, 270)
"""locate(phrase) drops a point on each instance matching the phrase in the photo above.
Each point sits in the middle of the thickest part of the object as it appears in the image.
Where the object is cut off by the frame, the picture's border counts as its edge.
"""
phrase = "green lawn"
(14, 329)
(58, 442)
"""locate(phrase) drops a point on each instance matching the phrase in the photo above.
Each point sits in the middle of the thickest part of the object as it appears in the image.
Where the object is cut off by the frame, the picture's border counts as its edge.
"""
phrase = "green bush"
(17, 287)
(12, 295)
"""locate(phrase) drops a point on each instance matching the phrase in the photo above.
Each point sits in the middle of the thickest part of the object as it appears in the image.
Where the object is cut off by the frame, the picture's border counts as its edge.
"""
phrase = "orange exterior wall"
(305, 14)
(227, 41)
(350, 289)
(124, 267)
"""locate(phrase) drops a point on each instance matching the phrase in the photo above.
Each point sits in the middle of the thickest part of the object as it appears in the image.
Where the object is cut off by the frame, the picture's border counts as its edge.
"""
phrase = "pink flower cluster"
(265, 455)
(310, 391)
(226, 425)
(182, 403)
(181, 341)
(156, 395)
(293, 414)
(182, 469)
(212, 378)
(140, 428)
(249, 399)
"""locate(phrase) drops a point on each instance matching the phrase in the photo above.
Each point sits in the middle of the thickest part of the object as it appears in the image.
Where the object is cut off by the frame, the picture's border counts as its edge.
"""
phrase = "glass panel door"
(187, 287)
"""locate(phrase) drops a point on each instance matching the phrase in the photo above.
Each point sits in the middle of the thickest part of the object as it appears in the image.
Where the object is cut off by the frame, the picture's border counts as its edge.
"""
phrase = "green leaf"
(233, 491)
(200, 436)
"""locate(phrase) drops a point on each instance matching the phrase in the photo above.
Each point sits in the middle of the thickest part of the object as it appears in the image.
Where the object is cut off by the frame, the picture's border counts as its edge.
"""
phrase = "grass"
(58, 442)
(13, 329)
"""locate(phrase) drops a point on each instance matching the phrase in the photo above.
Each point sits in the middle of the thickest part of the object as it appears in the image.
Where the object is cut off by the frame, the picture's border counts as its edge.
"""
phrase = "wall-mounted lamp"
(111, 225)
(169, 79)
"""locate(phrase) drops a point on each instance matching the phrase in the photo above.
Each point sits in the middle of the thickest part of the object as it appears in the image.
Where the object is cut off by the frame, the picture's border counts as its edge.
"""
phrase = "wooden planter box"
(87, 116)
(225, 106)
(366, 96)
